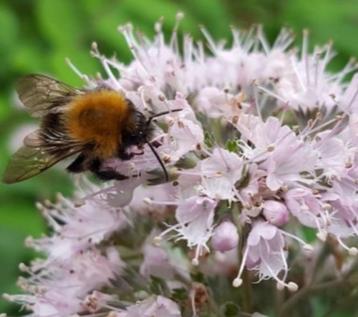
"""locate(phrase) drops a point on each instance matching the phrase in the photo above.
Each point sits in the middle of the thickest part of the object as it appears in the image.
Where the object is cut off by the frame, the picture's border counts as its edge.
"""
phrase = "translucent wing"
(41, 94)
(29, 161)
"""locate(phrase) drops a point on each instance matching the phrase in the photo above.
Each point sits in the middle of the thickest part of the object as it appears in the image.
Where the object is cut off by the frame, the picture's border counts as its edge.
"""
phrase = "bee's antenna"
(151, 146)
(159, 160)
(161, 114)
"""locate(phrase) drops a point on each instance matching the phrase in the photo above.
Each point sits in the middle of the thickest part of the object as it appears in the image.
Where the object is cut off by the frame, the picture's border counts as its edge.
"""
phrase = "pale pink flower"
(348, 101)
(310, 85)
(277, 150)
(264, 253)
(60, 290)
(308, 209)
(157, 306)
(333, 154)
(195, 218)
(217, 103)
(220, 172)
(153, 200)
(77, 228)
(185, 133)
(342, 201)
(163, 261)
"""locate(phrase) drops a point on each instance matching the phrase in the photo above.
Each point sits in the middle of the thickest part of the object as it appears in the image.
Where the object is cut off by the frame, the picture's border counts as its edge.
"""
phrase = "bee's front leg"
(125, 156)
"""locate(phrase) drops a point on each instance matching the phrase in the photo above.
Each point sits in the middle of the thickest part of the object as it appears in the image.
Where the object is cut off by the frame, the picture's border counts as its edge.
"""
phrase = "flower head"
(259, 142)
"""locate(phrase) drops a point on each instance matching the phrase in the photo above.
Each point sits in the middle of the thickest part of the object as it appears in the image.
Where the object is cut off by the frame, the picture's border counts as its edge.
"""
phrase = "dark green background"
(36, 36)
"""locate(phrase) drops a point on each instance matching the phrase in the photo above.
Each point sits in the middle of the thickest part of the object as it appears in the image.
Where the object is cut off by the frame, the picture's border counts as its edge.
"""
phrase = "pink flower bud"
(225, 237)
(275, 212)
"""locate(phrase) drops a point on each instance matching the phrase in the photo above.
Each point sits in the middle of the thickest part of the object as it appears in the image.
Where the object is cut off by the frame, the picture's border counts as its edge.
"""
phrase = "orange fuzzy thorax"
(98, 117)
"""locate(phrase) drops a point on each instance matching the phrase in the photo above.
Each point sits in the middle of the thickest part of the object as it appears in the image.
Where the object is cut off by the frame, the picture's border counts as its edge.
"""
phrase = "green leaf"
(30, 57)
(179, 294)
(209, 139)
(230, 309)
(326, 20)
(212, 14)
(21, 217)
(309, 234)
(9, 31)
(4, 108)
(152, 10)
(106, 33)
(13, 252)
(80, 58)
(158, 286)
(62, 22)
(232, 146)
(18, 219)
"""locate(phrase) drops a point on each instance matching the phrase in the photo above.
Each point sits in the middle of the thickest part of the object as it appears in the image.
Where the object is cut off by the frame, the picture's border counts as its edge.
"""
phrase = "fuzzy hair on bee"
(95, 125)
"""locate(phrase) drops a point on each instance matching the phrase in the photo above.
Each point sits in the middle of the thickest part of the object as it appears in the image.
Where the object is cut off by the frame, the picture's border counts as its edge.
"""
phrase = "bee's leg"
(78, 165)
(125, 156)
(110, 175)
(106, 175)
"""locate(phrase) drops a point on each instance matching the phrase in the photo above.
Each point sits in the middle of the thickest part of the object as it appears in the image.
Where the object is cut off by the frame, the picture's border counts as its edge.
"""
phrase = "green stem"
(309, 289)
(247, 292)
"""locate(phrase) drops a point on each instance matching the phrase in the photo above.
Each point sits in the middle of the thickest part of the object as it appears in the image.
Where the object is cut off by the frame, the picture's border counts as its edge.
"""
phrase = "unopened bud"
(225, 237)
(275, 212)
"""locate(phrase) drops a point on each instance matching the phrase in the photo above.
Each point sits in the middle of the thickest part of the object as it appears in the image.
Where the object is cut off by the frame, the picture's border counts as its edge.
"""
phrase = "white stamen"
(238, 281)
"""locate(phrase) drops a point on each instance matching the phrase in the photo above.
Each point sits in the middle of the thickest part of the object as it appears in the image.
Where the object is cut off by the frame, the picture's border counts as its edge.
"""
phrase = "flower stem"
(247, 292)
(309, 289)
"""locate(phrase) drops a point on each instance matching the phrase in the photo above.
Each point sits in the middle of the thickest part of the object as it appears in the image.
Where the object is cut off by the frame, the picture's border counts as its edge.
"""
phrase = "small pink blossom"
(157, 306)
(264, 253)
(219, 173)
(195, 218)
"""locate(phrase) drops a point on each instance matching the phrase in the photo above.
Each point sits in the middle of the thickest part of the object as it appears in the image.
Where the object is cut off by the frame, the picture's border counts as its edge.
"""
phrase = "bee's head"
(138, 131)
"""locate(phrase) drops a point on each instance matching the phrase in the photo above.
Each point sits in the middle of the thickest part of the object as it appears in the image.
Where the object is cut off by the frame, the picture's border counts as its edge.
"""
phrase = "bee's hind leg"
(110, 175)
(104, 174)
(78, 165)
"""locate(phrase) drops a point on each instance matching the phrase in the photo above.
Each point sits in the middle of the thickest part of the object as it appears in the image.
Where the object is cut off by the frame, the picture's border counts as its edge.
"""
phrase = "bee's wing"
(41, 94)
(29, 161)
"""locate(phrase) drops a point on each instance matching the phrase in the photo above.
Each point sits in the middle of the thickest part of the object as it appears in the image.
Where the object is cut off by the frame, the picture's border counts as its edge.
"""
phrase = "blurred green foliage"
(37, 36)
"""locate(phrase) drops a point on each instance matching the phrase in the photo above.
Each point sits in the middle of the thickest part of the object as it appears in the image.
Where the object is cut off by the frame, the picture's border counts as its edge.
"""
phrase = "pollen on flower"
(237, 282)
(353, 251)
(322, 235)
(147, 200)
(157, 240)
(195, 261)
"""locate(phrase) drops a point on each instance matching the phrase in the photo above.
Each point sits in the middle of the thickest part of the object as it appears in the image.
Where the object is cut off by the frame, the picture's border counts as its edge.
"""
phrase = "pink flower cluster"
(266, 145)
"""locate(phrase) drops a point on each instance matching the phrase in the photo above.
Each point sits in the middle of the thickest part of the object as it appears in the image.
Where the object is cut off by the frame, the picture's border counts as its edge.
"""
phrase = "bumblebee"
(95, 125)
